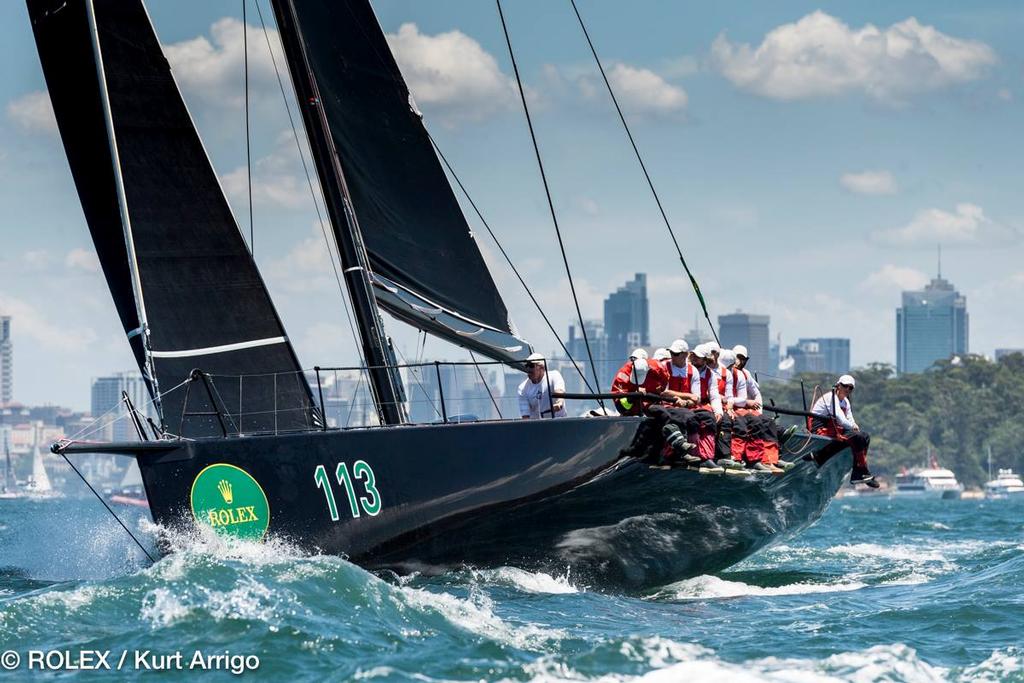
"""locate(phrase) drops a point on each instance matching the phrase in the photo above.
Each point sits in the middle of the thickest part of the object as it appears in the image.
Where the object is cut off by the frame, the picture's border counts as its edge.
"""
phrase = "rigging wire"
(248, 139)
(312, 191)
(486, 385)
(511, 265)
(547, 192)
(112, 513)
(647, 176)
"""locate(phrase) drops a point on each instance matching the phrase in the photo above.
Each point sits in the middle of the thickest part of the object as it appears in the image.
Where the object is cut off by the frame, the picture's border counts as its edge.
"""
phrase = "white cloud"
(306, 267)
(451, 74)
(82, 259)
(869, 182)
(45, 332)
(819, 55)
(213, 68)
(641, 91)
(966, 224)
(33, 113)
(275, 179)
(892, 278)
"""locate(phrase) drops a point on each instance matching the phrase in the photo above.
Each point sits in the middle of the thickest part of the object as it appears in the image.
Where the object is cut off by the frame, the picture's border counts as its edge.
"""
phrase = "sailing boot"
(709, 467)
(676, 442)
(759, 467)
(729, 464)
(862, 476)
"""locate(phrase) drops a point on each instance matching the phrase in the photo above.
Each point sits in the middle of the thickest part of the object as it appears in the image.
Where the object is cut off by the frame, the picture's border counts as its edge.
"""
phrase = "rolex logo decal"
(225, 491)
(229, 500)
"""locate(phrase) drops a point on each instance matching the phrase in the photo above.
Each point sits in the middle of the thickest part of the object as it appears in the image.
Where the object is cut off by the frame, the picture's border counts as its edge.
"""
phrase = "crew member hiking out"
(638, 375)
(702, 383)
(539, 394)
(833, 417)
(759, 444)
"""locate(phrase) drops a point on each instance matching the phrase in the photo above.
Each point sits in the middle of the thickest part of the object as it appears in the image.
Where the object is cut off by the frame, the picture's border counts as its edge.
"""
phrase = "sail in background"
(203, 299)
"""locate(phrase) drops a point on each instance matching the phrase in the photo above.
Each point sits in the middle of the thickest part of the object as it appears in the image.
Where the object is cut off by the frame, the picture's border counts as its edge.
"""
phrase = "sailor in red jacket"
(638, 375)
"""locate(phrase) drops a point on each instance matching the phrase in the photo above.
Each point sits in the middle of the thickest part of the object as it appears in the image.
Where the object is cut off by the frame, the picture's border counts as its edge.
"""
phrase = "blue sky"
(810, 155)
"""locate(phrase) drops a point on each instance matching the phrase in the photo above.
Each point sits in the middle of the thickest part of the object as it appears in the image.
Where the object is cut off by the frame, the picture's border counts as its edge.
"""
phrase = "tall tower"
(626, 319)
(6, 361)
(931, 325)
(752, 331)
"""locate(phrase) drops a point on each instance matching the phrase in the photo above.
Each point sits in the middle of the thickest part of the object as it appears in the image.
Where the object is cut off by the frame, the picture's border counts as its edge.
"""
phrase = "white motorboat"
(1005, 485)
(930, 482)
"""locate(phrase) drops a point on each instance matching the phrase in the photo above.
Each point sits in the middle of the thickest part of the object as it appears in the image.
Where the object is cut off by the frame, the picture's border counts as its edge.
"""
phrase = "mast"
(384, 380)
(126, 224)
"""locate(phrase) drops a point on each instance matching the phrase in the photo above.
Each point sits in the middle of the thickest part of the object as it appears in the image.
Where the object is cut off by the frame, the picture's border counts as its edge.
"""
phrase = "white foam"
(1000, 666)
(897, 552)
(161, 607)
(693, 663)
(70, 600)
(476, 615)
(711, 587)
(526, 581)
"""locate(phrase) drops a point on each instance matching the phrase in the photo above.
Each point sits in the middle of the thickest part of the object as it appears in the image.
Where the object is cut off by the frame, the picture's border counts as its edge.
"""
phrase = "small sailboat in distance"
(38, 484)
(241, 442)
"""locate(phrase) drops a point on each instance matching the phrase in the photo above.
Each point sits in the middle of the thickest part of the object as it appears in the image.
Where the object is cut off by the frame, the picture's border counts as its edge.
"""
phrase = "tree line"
(957, 409)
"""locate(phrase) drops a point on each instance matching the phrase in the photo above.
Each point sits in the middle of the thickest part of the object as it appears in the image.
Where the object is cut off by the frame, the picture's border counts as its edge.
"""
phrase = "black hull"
(547, 494)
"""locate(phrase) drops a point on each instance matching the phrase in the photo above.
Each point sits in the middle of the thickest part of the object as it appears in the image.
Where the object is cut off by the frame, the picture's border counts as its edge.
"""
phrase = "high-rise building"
(606, 366)
(823, 354)
(931, 325)
(752, 331)
(6, 361)
(626, 319)
(106, 395)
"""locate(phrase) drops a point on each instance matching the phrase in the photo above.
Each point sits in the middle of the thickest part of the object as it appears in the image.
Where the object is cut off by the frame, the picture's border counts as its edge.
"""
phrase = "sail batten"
(177, 265)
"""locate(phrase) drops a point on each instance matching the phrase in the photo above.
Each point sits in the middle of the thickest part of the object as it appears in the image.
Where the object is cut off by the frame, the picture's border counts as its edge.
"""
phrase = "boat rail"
(340, 397)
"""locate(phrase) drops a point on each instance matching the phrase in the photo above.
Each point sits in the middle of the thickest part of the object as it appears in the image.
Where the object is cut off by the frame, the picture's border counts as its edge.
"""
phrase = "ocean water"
(879, 589)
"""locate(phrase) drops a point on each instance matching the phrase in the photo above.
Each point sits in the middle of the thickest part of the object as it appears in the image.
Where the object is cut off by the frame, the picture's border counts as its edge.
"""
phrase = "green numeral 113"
(361, 471)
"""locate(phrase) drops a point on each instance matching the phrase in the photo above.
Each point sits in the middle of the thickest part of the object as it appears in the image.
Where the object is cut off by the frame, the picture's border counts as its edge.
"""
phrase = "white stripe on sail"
(209, 350)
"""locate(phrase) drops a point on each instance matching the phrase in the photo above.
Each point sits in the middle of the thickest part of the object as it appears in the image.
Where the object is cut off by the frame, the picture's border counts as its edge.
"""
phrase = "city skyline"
(833, 190)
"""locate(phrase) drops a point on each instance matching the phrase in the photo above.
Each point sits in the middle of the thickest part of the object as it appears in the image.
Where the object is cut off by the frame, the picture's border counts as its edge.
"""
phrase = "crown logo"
(225, 491)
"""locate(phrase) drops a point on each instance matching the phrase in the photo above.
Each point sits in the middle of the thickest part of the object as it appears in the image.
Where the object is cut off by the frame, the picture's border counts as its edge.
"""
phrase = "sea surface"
(879, 589)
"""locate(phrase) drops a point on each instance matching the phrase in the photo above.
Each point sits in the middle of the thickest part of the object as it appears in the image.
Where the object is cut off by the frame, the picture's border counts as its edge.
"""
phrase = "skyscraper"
(106, 395)
(931, 325)
(598, 348)
(626, 319)
(6, 361)
(823, 354)
(750, 330)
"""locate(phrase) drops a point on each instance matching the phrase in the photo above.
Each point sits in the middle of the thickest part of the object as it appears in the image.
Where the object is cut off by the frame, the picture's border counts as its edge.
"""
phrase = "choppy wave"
(853, 599)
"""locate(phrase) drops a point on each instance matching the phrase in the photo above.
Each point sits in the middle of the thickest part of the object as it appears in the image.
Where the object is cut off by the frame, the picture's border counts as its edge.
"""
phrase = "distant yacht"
(929, 482)
(1005, 485)
(38, 485)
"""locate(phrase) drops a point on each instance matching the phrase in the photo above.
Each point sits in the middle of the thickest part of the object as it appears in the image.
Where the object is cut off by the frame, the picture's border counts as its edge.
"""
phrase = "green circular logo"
(230, 501)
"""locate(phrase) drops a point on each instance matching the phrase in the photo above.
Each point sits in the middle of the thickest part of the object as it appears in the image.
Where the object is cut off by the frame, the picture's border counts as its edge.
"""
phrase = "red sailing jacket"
(655, 383)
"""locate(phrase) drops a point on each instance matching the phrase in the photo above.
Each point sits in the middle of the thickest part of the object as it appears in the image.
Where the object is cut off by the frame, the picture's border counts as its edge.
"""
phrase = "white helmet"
(727, 358)
(740, 350)
(535, 358)
(701, 351)
(638, 353)
(640, 369)
(846, 380)
(662, 354)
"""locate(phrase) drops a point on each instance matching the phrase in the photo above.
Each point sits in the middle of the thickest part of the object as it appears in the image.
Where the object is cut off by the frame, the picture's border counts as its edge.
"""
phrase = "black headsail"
(426, 267)
(186, 288)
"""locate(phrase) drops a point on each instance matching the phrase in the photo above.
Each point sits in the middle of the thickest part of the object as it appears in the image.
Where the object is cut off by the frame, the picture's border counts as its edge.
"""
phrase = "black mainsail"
(426, 268)
(184, 283)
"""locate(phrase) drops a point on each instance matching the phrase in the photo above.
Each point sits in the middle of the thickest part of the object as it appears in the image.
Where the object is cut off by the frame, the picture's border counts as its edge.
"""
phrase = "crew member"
(759, 443)
(702, 383)
(731, 435)
(833, 417)
(678, 369)
(638, 375)
(539, 394)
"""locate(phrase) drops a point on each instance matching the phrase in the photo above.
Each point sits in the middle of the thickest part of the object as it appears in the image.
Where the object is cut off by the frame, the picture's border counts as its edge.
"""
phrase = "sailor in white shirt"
(834, 418)
(540, 391)
(746, 393)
